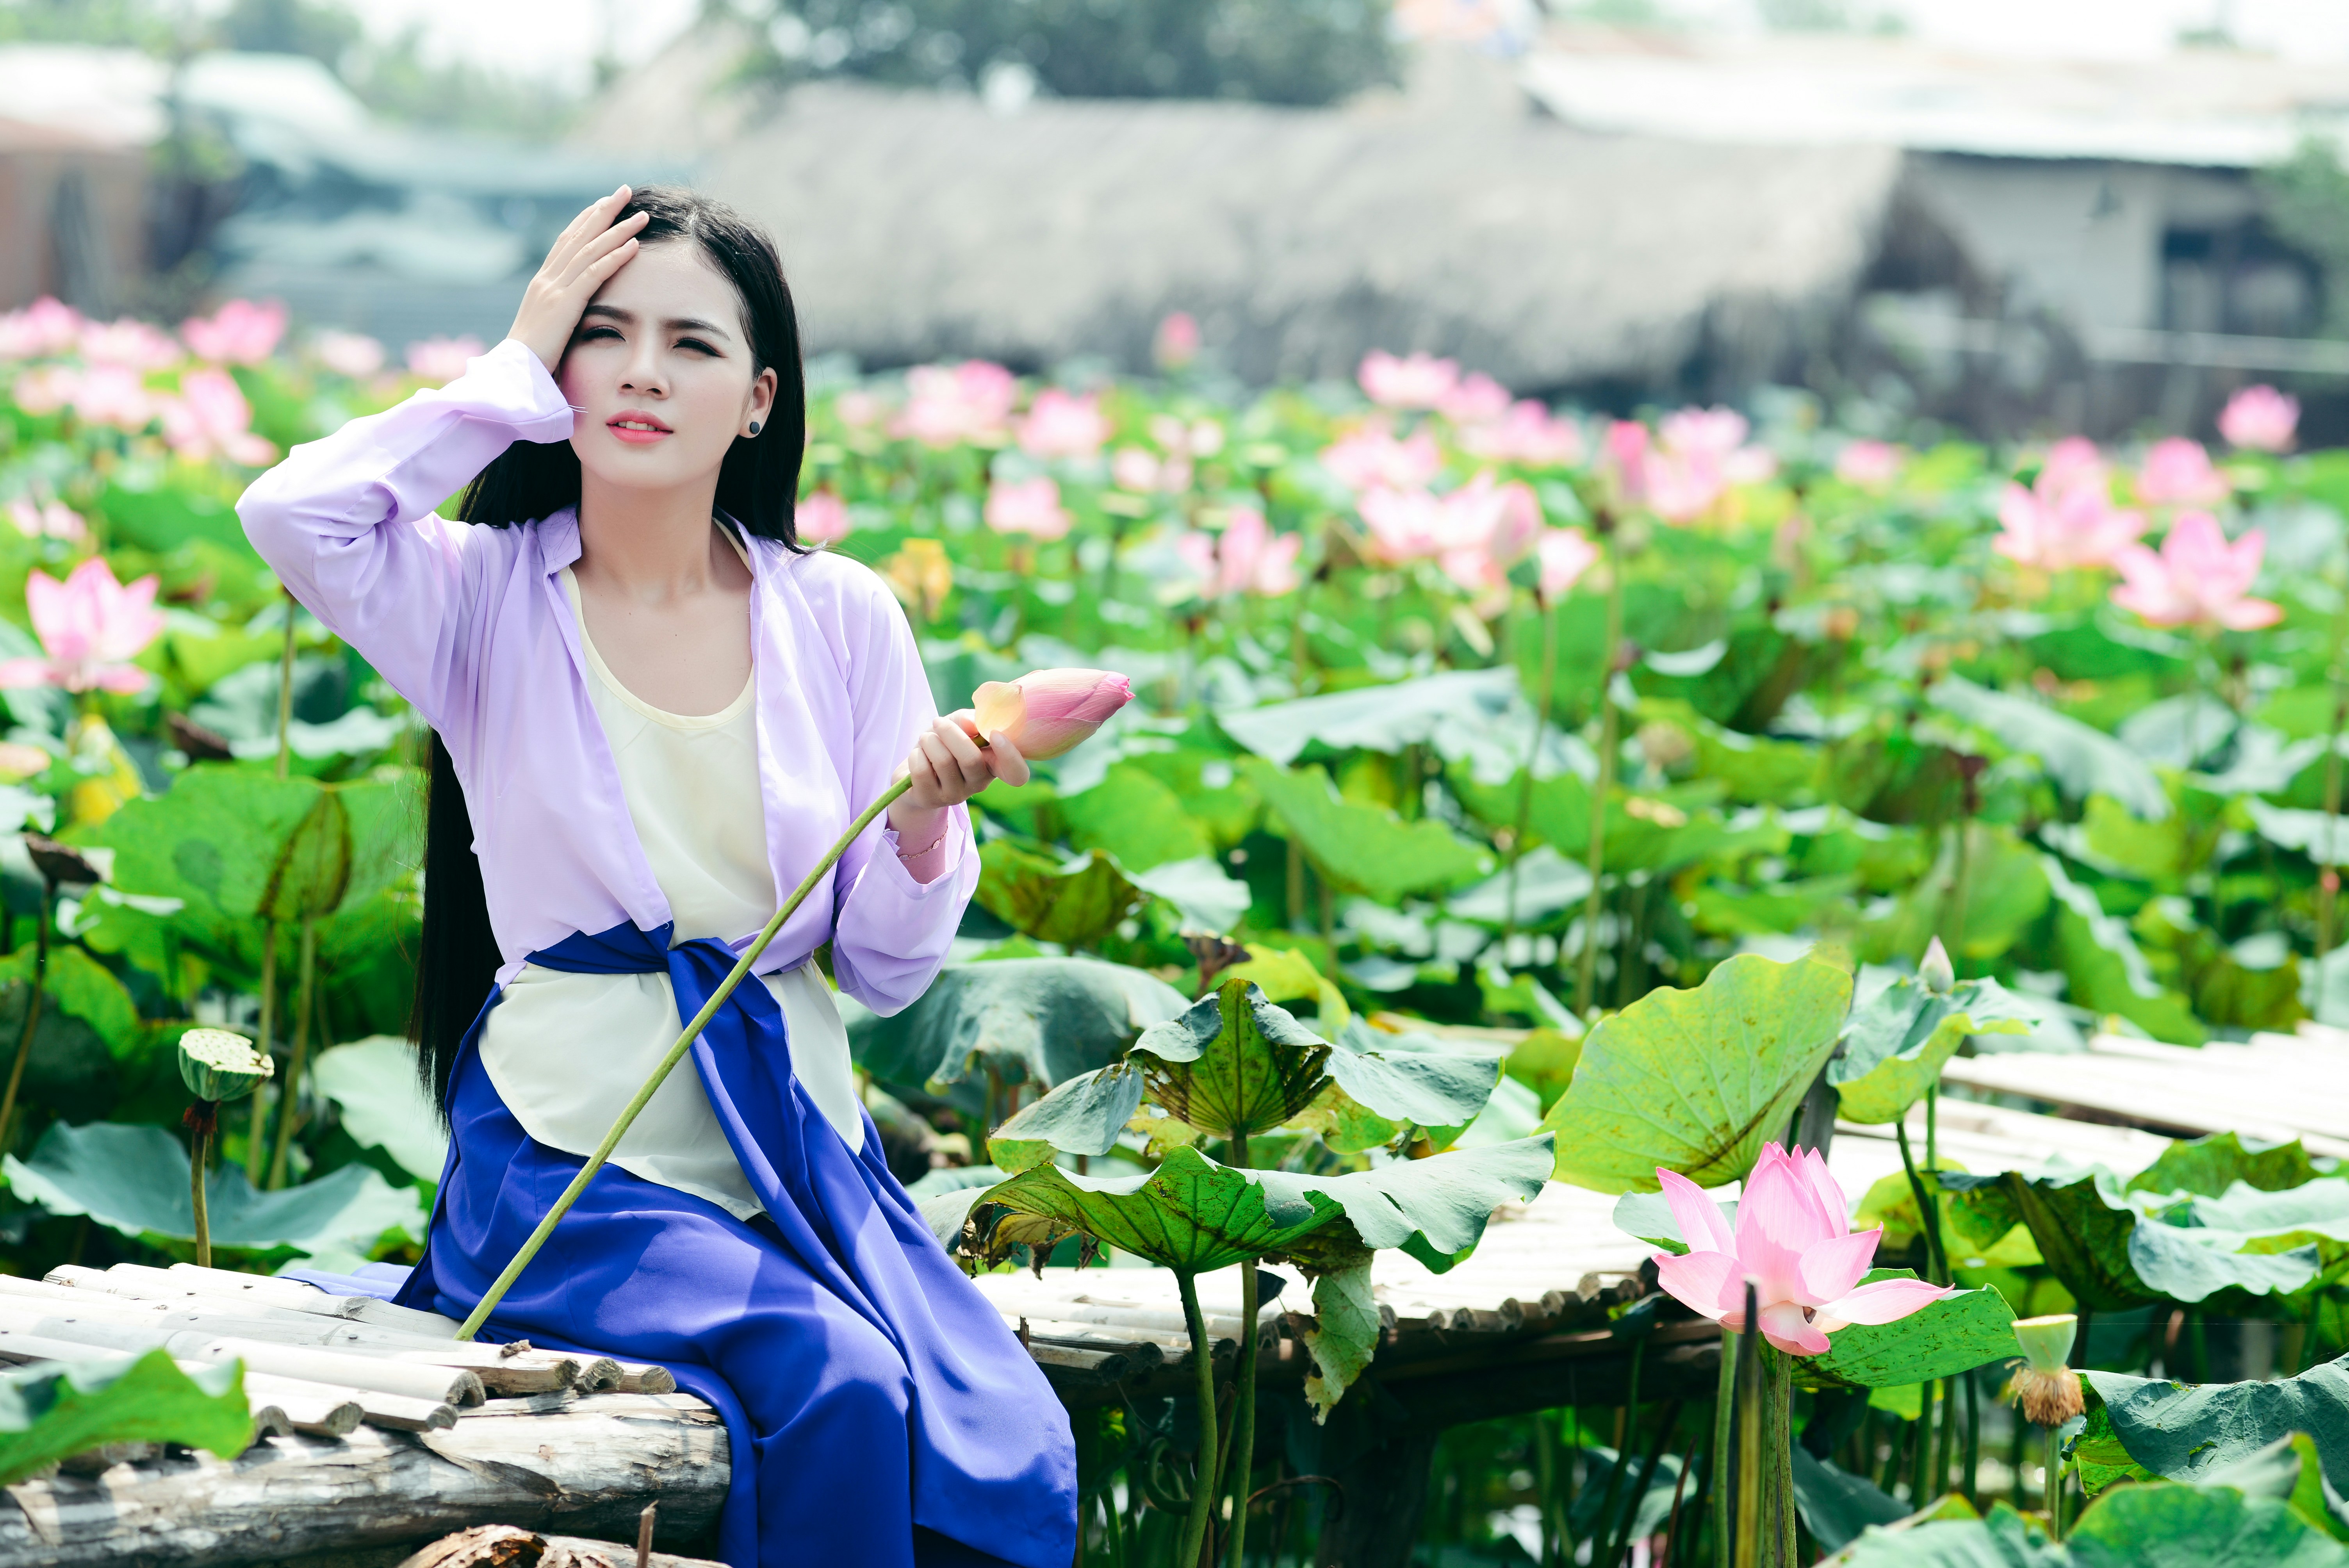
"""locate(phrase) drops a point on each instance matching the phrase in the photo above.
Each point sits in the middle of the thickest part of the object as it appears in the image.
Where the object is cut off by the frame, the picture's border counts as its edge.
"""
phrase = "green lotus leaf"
(1697, 1081)
(53, 1411)
(2081, 760)
(1082, 1116)
(1414, 1076)
(1034, 1020)
(2208, 1166)
(1953, 1336)
(1361, 848)
(1896, 1044)
(216, 1065)
(1232, 1065)
(1075, 904)
(134, 1180)
(1190, 1214)
(2187, 1432)
(2106, 971)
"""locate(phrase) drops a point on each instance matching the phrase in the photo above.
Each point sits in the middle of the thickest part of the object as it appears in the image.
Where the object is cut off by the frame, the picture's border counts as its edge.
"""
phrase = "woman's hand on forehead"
(582, 259)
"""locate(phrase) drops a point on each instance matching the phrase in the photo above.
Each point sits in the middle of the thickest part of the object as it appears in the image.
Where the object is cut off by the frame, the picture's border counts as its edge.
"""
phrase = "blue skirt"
(879, 1411)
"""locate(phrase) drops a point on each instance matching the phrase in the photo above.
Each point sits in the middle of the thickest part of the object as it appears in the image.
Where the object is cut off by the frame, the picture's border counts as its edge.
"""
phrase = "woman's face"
(659, 369)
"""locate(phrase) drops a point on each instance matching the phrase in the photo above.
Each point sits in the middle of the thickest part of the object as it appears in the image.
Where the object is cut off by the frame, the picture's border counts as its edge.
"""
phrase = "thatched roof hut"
(919, 226)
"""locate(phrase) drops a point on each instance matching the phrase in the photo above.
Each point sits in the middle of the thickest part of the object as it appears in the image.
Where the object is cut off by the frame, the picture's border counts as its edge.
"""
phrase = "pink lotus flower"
(1795, 1242)
(1870, 465)
(2064, 525)
(46, 388)
(1477, 400)
(2260, 419)
(1177, 341)
(90, 626)
(822, 517)
(1485, 529)
(1141, 470)
(948, 405)
(1199, 438)
(114, 394)
(1370, 456)
(1526, 433)
(1699, 454)
(1623, 458)
(128, 341)
(2198, 579)
(1049, 712)
(1060, 426)
(48, 519)
(1032, 506)
(859, 410)
(2177, 472)
(442, 360)
(41, 330)
(2073, 461)
(239, 333)
(1422, 381)
(1565, 555)
(210, 419)
(351, 354)
(1405, 525)
(1246, 558)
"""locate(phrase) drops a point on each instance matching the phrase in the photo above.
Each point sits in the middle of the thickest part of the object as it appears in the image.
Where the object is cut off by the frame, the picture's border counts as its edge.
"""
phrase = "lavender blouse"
(471, 625)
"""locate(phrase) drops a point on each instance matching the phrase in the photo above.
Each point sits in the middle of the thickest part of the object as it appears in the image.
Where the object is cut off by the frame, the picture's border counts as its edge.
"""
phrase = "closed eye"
(592, 332)
(696, 343)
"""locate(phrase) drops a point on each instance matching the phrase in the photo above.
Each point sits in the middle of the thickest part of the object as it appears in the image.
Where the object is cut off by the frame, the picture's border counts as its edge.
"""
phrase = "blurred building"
(1609, 214)
(296, 192)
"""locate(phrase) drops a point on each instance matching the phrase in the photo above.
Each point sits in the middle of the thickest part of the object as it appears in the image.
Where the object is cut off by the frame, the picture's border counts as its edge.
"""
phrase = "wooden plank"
(302, 1297)
(589, 1468)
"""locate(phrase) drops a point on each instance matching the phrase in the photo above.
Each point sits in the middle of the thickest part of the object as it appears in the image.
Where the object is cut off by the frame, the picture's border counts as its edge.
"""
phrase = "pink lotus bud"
(1049, 712)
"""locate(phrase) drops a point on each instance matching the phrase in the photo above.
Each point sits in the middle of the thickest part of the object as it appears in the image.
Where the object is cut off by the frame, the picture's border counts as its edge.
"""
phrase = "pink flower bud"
(1049, 712)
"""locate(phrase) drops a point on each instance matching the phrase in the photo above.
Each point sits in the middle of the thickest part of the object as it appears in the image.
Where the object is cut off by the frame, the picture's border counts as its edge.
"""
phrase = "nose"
(642, 373)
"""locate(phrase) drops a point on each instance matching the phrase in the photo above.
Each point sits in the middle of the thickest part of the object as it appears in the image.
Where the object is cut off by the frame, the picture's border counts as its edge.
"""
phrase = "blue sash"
(861, 1306)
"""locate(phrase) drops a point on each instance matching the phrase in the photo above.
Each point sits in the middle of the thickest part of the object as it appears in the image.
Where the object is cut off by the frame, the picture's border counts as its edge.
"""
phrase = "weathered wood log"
(502, 1546)
(588, 1467)
(253, 1290)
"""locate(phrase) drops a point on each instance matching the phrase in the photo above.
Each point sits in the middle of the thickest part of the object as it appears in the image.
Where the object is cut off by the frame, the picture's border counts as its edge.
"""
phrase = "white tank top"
(566, 1050)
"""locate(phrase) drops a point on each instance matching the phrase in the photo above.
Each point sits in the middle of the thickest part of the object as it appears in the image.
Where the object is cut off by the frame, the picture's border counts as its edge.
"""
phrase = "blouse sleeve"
(348, 523)
(890, 933)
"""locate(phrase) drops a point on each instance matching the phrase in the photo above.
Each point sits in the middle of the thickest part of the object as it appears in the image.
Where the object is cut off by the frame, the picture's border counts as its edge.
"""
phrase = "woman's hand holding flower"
(1042, 715)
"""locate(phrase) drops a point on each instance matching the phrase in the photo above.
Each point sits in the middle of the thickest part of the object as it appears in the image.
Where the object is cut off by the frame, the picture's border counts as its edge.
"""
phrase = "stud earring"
(754, 427)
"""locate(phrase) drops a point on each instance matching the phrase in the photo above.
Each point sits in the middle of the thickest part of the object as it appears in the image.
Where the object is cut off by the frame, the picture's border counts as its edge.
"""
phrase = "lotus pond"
(1512, 796)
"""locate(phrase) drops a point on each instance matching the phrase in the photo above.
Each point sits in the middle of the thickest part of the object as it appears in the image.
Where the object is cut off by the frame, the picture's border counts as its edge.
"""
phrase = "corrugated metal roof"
(2201, 108)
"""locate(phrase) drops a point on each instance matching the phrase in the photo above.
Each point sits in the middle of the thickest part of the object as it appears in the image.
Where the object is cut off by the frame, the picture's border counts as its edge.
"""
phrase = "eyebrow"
(673, 324)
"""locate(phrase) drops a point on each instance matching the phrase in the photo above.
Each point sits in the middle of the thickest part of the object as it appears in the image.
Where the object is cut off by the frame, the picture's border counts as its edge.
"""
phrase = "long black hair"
(758, 486)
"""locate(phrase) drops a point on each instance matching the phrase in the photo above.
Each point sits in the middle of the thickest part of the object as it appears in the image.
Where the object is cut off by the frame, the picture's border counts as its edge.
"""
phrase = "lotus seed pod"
(2045, 1385)
(216, 1065)
(2047, 1341)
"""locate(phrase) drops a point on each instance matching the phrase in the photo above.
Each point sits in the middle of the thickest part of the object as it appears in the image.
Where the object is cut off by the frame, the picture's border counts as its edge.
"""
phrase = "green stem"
(1973, 1439)
(257, 1141)
(1921, 1457)
(1610, 1532)
(1202, 1490)
(1929, 1212)
(32, 1016)
(1724, 1408)
(505, 1282)
(1945, 1445)
(206, 1109)
(1751, 1466)
(289, 1097)
(2328, 879)
(1545, 1483)
(1619, 1538)
(1241, 1459)
(1533, 755)
(1585, 979)
(1778, 1380)
(2055, 1487)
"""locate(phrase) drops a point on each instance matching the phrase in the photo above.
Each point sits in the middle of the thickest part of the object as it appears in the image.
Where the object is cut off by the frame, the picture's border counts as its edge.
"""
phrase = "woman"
(653, 714)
